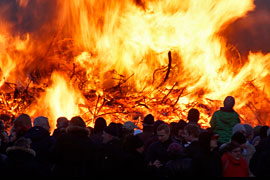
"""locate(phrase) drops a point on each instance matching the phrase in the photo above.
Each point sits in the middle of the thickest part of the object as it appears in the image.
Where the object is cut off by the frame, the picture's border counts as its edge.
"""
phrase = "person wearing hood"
(224, 120)
(42, 141)
(233, 164)
(207, 163)
(74, 153)
(21, 161)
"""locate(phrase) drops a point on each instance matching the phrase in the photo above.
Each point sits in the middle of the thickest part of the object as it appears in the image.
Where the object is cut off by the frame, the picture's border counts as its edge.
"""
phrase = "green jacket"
(222, 123)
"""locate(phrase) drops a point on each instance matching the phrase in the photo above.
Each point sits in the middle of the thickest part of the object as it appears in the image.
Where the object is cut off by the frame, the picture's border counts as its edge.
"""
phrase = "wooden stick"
(179, 96)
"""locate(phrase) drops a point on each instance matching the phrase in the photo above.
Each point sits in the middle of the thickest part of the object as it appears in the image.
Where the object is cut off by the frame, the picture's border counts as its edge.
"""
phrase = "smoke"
(252, 33)
(27, 16)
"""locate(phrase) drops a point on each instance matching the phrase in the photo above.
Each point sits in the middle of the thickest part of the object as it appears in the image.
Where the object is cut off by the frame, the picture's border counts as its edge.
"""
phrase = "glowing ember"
(124, 59)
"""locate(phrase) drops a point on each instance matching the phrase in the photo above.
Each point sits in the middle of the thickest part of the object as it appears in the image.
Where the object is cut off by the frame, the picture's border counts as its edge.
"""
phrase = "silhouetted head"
(62, 122)
(229, 102)
(193, 115)
(77, 121)
(100, 124)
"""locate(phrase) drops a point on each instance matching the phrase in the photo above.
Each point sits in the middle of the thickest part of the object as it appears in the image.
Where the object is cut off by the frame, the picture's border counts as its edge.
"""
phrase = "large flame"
(114, 54)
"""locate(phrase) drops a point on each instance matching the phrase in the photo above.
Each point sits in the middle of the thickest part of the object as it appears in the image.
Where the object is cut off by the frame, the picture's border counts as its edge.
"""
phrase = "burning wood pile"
(124, 59)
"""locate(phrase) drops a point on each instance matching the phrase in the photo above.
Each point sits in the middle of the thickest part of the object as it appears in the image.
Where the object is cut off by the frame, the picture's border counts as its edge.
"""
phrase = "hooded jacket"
(222, 123)
(233, 167)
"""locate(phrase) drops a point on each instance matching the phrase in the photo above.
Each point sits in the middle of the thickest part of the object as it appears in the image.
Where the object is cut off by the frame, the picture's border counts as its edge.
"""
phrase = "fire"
(124, 59)
(62, 99)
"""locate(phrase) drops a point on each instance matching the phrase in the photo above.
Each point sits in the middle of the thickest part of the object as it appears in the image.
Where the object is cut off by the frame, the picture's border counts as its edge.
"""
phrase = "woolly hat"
(238, 127)
(43, 122)
(229, 102)
(249, 129)
(77, 121)
(148, 120)
(129, 126)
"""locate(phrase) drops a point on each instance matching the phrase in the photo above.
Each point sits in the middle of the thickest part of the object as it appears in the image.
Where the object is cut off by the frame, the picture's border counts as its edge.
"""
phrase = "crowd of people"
(160, 150)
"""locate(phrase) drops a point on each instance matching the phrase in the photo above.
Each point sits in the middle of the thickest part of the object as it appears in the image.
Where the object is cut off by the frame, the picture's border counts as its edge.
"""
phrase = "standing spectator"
(41, 140)
(157, 151)
(179, 164)
(207, 162)
(224, 120)
(74, 154)
(179, 133)
(21, 125)
(128, 128)
(193, 116)
(232, 162)
(100, 124)
(61, 125)
(147, 135)
(263, 132)
(134, 158)
(239, 128)
(249, 132)
(192, 133)
(260, 161)
(110, 156)
(21, 161)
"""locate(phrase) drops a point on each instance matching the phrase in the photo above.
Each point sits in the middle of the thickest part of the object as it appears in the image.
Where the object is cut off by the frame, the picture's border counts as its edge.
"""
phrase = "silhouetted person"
(110, 156)
(207, 162)
(179, 164)
(42, 142)
(193, 116)
(134, 158)
(61, 125)
(147, 135)
(21, 125)
(157, 152)
(192, 133)
(21, 161)
(224, 120)
(100, 125)
(74, 153)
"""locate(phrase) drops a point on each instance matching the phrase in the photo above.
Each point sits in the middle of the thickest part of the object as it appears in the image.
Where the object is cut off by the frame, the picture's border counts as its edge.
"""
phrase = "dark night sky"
(253, 31)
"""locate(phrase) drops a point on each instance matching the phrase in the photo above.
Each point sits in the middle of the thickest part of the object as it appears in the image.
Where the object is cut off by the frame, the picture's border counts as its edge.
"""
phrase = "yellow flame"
(62, 99)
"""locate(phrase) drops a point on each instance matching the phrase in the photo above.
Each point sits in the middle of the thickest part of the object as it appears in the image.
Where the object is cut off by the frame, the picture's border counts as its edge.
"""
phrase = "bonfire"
(123, 59)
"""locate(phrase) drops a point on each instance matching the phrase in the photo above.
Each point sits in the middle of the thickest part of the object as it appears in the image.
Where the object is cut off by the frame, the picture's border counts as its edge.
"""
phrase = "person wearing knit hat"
(21, 161)
(110, 133)
(224, 120)
(249, 132)
(42, 142)
(239, 128)
(43, 122)
(22, 124)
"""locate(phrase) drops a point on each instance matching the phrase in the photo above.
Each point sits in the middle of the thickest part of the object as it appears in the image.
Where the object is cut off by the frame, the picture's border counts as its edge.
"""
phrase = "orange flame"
(119, 50)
